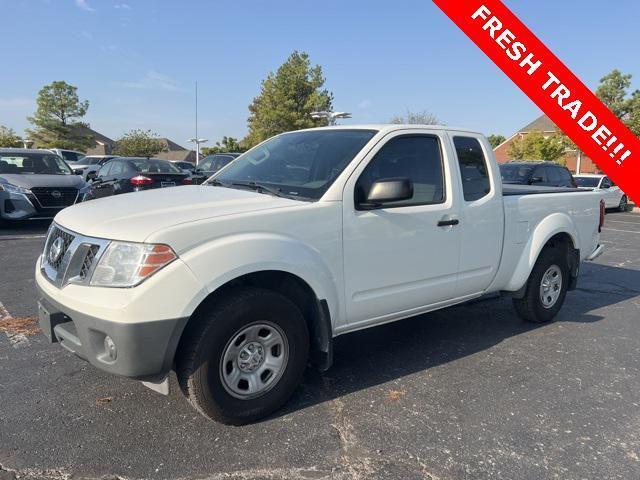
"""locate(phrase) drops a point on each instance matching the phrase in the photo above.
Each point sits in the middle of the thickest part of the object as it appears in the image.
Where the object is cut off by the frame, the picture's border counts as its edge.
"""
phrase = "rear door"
(481, 217)
(610, 192)
(397, 259)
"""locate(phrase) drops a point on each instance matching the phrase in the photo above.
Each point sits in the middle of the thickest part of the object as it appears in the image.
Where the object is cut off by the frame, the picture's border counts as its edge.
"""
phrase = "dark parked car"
(36, 184)
(197, 177)
(537, 173)
(212, 163)
(132, 174)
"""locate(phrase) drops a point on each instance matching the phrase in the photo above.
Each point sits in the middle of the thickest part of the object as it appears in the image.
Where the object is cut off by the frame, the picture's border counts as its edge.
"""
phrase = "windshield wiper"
(216, 183)
(258, 187)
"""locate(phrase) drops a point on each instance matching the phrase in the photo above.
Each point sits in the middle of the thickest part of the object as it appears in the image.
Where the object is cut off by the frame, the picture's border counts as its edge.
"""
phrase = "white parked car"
(613, 196)
(239, 282)
(69, 156)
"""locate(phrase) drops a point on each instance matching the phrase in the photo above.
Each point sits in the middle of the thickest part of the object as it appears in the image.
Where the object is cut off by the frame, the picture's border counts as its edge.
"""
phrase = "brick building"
(547, 127)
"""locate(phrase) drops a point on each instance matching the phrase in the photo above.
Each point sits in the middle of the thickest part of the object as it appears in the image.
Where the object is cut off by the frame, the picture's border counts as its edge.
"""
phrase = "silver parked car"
(36, 184)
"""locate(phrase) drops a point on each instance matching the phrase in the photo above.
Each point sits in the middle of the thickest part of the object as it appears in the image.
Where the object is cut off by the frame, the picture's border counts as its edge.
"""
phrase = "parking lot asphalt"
(469, 392)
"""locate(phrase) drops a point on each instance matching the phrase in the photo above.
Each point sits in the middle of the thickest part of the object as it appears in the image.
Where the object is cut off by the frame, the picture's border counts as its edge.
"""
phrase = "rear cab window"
(474, 170)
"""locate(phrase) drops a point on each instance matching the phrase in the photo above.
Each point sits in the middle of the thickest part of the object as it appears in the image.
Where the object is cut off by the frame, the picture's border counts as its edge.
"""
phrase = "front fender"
(543, 232)
(230, 257)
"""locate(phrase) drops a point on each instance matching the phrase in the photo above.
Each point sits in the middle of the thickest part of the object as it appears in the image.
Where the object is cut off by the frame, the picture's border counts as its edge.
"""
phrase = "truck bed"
(510, 190)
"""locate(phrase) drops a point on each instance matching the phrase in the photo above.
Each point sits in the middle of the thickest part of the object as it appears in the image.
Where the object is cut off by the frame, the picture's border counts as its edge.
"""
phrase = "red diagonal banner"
(551, 86)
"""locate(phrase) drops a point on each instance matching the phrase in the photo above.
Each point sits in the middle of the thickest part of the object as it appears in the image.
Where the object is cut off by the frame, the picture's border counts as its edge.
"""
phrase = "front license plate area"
(48, 320)
(167, 184)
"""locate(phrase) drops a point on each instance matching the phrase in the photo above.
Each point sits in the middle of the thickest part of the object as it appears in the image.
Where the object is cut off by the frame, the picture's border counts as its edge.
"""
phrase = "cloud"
(82, 4)
(87, 35)
(122, 6)
(364, 104)
(154, 81)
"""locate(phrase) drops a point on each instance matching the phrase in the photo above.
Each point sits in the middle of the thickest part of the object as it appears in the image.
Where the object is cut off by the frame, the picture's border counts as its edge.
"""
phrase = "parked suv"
(537, 173)
(36, 184)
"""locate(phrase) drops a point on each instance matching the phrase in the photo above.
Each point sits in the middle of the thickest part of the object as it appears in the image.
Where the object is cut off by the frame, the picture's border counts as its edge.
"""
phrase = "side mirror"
(387, 190)
(78, 172)
(605, 186)
(535, 180)
(95, 180)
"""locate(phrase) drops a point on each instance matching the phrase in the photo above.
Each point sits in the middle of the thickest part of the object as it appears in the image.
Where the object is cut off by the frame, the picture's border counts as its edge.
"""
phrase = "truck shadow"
(378, 355)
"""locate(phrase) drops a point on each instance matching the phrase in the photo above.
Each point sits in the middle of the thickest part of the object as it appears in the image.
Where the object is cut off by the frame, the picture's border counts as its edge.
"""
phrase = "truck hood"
(134, 216)
(37, 180)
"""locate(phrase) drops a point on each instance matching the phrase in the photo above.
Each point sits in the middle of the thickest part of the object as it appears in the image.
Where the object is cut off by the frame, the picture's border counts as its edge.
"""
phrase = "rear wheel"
(546, 288)
(624, 203)
(242, 360)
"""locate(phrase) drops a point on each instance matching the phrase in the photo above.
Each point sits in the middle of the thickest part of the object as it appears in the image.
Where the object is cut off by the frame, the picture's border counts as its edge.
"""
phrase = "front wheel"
(243, 359)
(545, 289)
(624, 203)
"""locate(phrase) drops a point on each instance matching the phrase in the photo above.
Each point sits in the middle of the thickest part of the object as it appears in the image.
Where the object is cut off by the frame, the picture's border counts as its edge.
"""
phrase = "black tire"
(624, 202)
(200, 359)
(531, 307)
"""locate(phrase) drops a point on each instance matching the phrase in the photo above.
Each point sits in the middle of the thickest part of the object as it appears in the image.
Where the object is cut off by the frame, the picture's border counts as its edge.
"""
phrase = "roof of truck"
(389, 127)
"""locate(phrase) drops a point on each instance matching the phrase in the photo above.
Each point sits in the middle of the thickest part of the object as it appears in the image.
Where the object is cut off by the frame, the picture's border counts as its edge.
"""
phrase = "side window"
(116, 168)
(104, 170)
(565, 177)
(606, 183)
(416, 157)
(205, 164)
(554, 175)
(473, 168)
(540, 173)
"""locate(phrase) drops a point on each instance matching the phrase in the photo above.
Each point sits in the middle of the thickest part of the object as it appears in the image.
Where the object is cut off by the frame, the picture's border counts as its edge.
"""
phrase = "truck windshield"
(300, 164)
(515, 173)
(590, 182)
(33, 163)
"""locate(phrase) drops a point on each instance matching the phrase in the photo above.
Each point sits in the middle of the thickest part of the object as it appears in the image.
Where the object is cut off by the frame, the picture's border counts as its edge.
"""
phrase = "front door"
(397, 259)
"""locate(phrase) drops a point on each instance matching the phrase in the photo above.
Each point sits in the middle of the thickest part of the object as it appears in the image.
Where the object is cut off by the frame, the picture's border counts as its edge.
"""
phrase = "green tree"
(496, 140)
(139, 143)
(287, 98)
(614, 93)
(227, 144)
(534, 146)
(57, 118)
(8, 138)
(416, 118)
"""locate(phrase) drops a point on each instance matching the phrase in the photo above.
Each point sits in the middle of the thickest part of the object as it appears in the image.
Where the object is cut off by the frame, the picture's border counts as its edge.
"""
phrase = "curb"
(634, 208)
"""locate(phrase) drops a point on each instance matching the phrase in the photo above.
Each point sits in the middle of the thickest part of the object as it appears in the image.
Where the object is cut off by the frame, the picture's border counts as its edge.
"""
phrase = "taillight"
(601, 224)
(187, 181)
(141, 180)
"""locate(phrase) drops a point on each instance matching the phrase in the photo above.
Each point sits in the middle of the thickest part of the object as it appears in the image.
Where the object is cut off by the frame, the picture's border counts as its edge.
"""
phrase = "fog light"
(110, 348)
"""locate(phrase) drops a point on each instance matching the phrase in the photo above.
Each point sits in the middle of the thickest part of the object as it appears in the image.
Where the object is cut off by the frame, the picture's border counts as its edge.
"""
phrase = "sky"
(137, 61)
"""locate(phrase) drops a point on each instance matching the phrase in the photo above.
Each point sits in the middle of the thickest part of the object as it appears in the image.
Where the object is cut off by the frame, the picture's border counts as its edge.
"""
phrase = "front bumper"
(144, 323)
(143, 351)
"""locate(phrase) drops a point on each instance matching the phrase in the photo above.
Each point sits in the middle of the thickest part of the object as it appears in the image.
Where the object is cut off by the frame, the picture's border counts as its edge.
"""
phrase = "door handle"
(448, 222)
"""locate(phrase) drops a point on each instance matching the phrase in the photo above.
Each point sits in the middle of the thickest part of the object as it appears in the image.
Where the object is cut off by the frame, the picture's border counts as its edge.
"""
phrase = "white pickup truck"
(238, 283)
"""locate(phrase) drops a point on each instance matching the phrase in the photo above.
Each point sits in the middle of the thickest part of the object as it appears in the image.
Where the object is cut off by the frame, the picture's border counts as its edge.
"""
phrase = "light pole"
(331, 117)
(198, 141)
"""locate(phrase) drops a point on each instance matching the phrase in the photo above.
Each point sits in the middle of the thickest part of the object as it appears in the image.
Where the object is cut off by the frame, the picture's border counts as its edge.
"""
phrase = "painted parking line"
(625, 231)
(17, 330)
(21, 237)
(620, 221)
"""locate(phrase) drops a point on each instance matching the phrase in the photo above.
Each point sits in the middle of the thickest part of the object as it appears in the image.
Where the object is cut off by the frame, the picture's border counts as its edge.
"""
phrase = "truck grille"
(70, 257)
(55, 250)
(55, 197)
(87, 263)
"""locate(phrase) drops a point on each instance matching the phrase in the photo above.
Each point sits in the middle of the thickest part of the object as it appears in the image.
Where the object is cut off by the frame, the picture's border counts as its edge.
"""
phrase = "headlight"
(129, 264)
(7, 187)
